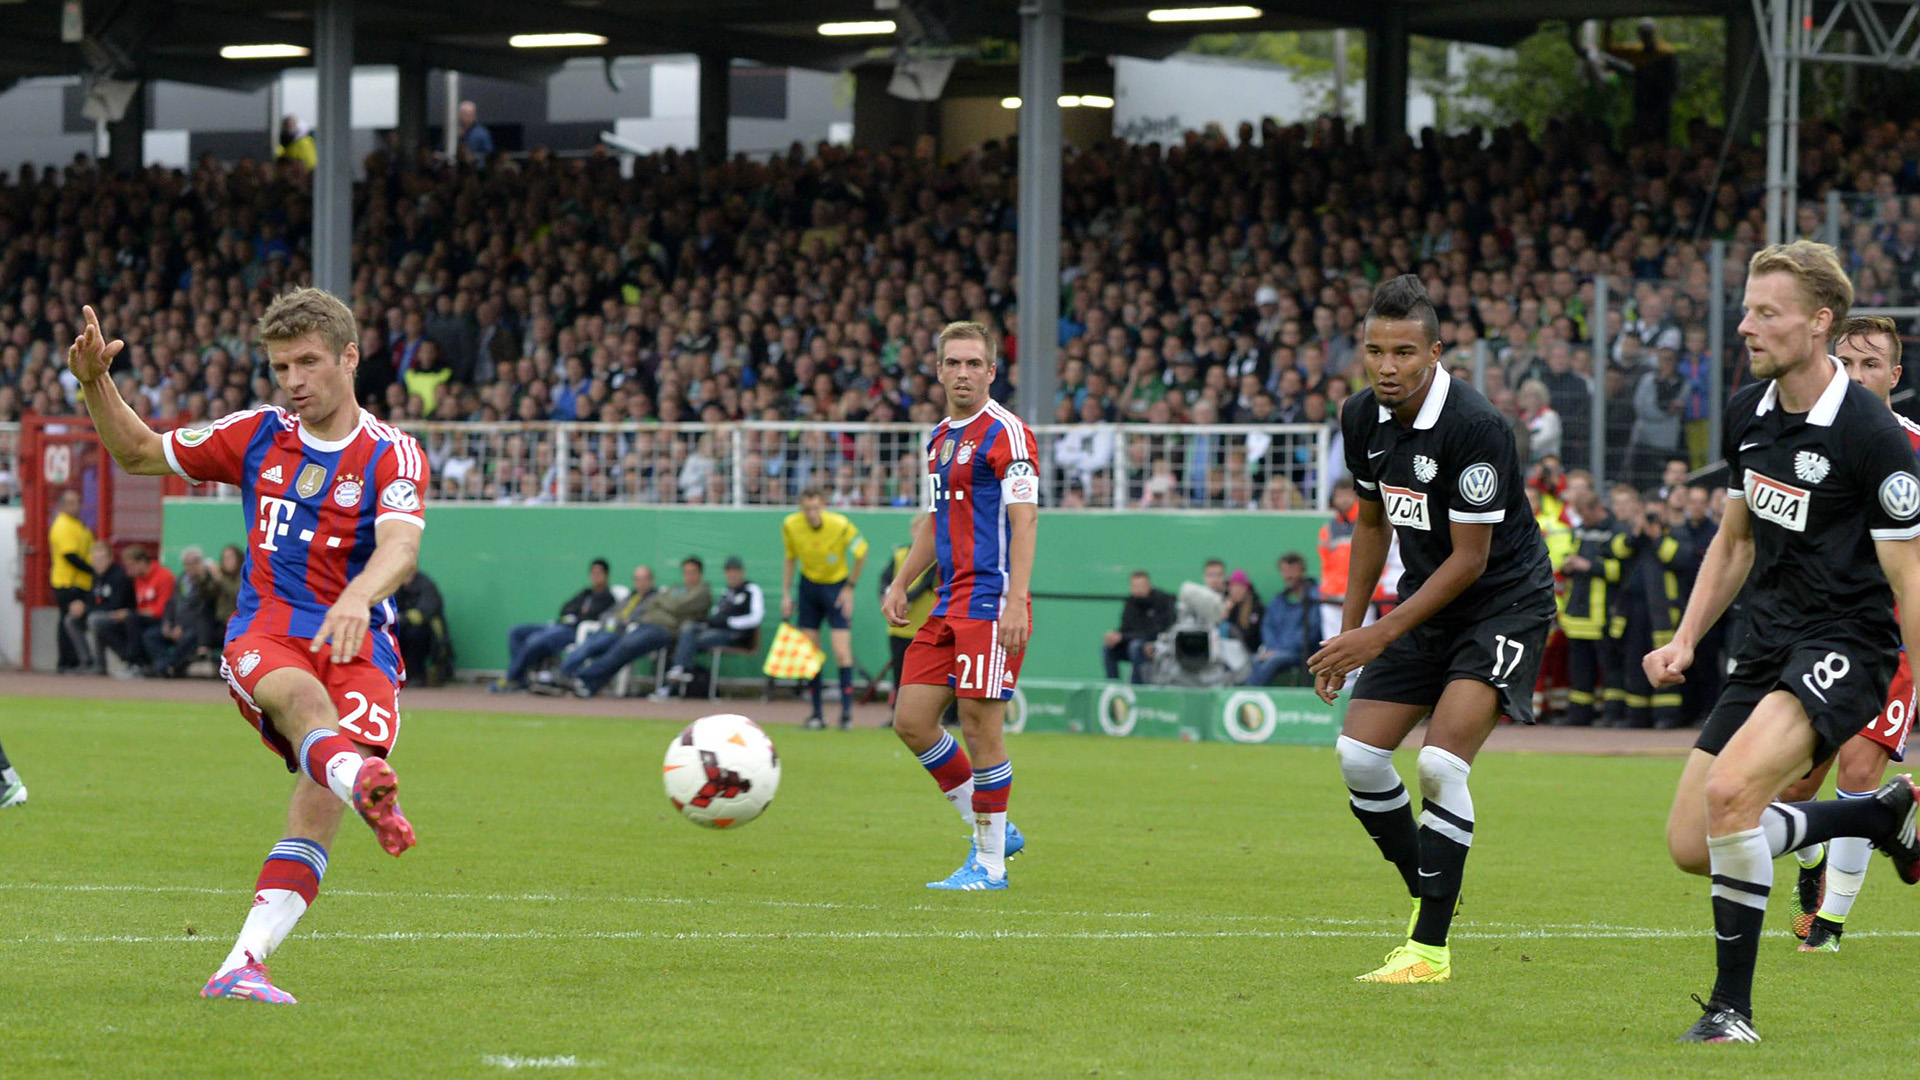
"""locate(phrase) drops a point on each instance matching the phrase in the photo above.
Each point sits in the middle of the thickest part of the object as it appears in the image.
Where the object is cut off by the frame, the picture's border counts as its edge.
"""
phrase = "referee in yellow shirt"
(69, 542)
(831, 553)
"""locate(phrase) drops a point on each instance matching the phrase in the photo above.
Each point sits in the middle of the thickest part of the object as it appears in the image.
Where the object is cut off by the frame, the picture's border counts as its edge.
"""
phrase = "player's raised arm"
(138, 448)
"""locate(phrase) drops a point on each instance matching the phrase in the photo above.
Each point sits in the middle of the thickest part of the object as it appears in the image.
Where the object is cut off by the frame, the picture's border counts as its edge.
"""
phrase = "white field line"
(514, 1061)
(700, 902)
(1301, 931)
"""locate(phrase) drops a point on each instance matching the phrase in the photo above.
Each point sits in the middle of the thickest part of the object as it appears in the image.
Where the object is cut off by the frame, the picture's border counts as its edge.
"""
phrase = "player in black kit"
(1434, 462)
(1823, 511)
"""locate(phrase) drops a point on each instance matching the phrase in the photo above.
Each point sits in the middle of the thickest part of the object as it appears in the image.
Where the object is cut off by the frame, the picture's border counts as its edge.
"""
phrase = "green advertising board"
(1121, 710)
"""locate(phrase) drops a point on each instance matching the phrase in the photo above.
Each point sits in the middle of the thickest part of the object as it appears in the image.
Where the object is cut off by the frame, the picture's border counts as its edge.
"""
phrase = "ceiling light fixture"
(857, 29)
(1203, 14)
(263, 52)
(556, 41)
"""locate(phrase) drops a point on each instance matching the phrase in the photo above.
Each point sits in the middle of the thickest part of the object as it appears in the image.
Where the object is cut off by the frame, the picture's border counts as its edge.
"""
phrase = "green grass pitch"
(1183, 911)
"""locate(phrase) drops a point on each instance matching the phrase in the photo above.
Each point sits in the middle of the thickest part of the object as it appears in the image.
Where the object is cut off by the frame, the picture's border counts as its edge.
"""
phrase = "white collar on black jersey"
(1430, 408)
(336, 445)
(1823, 410)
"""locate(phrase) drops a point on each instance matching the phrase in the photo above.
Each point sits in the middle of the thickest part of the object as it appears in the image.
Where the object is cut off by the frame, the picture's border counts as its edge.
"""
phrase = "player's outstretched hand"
(91, 353)
(1667, 665)
(1346, 653)
(1014, 628)
(345, 626)
(894, 607)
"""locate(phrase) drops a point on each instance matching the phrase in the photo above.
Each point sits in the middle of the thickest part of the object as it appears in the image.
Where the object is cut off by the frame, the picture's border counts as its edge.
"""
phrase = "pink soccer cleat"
(249, 982)
(376, 797)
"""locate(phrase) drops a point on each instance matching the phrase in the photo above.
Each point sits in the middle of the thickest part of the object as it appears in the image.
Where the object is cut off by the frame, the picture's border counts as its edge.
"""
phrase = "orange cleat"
(376, 797)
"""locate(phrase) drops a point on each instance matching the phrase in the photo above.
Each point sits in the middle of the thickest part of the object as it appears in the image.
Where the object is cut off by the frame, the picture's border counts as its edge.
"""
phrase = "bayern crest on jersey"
(965, 455)
(347, 493)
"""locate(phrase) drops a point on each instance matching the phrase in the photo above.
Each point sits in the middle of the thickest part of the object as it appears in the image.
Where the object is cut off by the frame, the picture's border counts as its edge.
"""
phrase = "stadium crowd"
(1218, 280)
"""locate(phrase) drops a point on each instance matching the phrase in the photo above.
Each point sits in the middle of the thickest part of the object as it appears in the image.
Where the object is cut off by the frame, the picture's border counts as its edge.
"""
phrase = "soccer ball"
(720, 771)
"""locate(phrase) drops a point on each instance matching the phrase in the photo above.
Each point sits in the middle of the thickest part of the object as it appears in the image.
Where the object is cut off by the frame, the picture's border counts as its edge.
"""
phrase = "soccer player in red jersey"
(983, 501)
(333, 508)
(1831, 874)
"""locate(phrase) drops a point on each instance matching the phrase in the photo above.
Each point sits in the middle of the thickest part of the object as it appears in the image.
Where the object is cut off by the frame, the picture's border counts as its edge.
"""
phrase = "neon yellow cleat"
(1413, 963)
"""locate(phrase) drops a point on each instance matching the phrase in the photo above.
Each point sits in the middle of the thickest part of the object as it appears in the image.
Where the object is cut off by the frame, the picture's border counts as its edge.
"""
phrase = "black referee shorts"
(1502, 650)
(1840, 680)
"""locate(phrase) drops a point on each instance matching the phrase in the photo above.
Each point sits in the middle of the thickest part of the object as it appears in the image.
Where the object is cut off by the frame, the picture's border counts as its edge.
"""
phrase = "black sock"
(814, 688)
(846, 691)
(1742, 875)
(1392, 830)
(1800, 824)
(1443, 862)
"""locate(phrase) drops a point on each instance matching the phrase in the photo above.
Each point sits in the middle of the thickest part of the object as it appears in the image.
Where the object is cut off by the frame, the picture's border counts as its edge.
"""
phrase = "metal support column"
(1041, 40)
(450, 123)
(1716, 345)
(333, 178)
(1790, 158)
(410, 123)
(1388, 44)
(716, 105)
(1597, 413)
(1775, 44)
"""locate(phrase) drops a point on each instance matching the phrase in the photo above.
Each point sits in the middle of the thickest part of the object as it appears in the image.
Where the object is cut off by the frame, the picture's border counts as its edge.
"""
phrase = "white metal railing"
(1082, 466)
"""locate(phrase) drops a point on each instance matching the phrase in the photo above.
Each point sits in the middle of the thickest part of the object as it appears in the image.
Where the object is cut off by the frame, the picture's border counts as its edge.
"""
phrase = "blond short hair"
(965, 331)
(1816, 267)
(294, 315)
(1866, 325)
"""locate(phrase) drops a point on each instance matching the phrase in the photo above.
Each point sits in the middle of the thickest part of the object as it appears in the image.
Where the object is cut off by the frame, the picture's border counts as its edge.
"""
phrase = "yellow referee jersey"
(69, 536)
(824, 554)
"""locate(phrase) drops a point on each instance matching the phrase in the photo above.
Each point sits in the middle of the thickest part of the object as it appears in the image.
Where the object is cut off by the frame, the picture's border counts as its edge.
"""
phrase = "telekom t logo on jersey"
(276, 517)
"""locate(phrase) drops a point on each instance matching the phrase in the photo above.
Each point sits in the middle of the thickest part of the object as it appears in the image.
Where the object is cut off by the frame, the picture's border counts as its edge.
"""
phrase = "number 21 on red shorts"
(963, 654)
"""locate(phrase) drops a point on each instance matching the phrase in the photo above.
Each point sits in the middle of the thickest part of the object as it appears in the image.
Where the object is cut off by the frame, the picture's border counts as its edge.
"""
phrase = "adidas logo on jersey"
(1782, 504)
(272, 476)
(1406, 507)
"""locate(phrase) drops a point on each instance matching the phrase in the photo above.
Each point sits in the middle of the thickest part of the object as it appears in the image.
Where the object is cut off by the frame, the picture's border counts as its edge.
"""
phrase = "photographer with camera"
(1648, 602)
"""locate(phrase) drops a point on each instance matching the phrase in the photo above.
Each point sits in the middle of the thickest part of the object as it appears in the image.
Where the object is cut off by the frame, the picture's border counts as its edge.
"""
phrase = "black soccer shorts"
(1502, 650)
(1841, 682)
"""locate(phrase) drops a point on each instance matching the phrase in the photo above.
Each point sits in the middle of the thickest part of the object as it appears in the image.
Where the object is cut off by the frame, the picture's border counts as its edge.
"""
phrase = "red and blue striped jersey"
(976, 468)
(311, 508)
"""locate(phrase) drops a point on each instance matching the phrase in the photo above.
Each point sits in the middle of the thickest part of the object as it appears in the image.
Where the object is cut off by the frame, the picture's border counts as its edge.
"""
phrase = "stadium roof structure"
(181, 39)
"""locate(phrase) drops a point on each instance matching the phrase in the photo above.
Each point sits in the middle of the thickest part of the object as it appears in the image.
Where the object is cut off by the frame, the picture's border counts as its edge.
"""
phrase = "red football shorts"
(964, 654)
(367, 701)
(1891, 727)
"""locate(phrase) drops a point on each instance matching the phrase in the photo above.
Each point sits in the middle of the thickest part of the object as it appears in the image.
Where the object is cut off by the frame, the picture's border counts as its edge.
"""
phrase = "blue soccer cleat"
(1016, 843)
(971, 877)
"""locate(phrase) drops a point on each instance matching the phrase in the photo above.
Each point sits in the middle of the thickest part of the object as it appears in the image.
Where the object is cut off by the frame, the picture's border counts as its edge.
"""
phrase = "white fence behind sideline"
(1082, 466)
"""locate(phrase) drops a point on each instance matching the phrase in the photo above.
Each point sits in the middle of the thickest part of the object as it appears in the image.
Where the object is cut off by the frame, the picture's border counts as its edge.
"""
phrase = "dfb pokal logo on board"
(1116, 710)
(1249, 717)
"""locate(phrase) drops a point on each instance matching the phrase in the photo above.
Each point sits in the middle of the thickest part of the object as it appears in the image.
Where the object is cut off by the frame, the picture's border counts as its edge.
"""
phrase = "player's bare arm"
(1355, 648)
(1723, 571)
(136, 447)
(1023, 520)
(786, 587)
(396, 550)
(1900, 560)
(919, 557)
(1367, 557)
